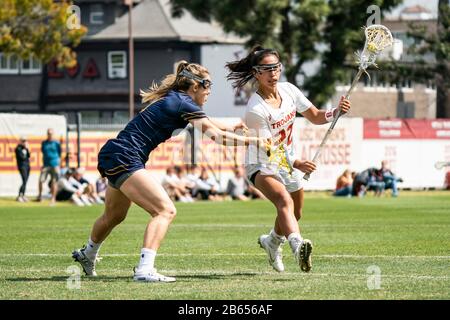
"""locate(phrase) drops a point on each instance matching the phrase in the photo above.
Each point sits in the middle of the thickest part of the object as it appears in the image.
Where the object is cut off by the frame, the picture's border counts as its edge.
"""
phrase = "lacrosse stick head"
(378, 38)
(279, 157)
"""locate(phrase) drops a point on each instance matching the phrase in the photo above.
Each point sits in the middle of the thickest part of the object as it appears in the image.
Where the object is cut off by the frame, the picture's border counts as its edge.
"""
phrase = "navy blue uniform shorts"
(117, 168)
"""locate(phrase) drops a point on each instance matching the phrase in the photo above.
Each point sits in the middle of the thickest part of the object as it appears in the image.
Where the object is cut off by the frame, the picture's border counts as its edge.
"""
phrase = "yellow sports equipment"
(278, 155)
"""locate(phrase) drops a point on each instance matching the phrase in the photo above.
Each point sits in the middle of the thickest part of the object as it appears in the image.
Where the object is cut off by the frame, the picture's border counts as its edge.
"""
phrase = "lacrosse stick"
(441, 164)
(378, 38)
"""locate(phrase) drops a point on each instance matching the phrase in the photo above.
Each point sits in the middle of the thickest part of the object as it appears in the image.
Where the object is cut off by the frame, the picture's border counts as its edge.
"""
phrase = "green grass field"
(211, 248)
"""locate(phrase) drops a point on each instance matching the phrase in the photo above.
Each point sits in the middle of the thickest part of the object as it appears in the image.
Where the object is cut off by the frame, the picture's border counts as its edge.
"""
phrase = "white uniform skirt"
(292, 182)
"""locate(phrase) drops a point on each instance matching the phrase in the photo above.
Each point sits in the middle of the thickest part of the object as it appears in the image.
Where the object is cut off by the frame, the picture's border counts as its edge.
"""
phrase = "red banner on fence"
(406, 129)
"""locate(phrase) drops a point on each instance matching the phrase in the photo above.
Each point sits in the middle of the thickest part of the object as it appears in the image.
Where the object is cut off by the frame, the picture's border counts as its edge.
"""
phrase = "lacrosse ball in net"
(372, 47)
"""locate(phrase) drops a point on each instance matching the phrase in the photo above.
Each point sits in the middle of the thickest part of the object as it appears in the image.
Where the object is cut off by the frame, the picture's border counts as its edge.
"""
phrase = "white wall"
(411, 159)
(221, 102)
(34, 127)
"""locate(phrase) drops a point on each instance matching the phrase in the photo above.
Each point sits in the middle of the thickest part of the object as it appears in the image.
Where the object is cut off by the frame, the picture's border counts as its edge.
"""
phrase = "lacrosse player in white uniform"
(270, 114)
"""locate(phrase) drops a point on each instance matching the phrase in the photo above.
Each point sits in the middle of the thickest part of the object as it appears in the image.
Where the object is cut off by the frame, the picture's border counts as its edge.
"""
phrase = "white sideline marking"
(332, 256)
(242, 273)
(304, 225)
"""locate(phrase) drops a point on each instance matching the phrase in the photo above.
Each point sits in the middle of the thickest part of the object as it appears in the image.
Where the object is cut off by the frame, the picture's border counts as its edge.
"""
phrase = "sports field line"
(303, 225)
(191, 273)
(331, 256)
(361, 275)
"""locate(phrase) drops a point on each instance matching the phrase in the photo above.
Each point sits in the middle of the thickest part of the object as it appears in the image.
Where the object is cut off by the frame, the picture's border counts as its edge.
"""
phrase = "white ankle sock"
(295, 239)
(92, 249)
(275, 239)
(276, 236)
(147, 261)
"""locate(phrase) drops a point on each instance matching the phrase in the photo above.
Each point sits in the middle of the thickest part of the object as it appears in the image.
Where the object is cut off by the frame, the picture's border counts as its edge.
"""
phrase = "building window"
(96, 14)
(30, 66)
(9, 64)
(117, 64)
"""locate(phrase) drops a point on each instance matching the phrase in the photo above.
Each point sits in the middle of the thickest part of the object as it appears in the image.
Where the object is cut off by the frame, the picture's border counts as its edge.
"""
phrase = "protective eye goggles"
(260, 68)
(205, 83)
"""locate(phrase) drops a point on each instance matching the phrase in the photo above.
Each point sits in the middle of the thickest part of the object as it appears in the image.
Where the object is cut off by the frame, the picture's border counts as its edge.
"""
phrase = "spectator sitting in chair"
(207, 187)
(87, 187)
(389, 178)
(237, 185)
(376, 182)
(344, 185)
(174, 187)
(367, 180)
(192, 176)
(184, 182)
(100, 186)
(67, 190)
(360, 181)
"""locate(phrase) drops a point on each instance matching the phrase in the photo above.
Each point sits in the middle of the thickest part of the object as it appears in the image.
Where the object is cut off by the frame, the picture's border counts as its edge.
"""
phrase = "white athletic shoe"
(88, 265)
(303, 255)
(77, 200)
(152, 276)
(99, 200)
(273, 252)
(85, 200)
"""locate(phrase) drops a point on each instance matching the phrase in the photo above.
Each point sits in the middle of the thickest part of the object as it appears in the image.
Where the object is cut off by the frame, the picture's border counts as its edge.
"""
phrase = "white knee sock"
(147, 261)
(92, 249)
(295, 239)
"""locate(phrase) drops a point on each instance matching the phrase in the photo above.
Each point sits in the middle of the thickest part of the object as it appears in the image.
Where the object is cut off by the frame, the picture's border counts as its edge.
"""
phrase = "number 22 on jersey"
(286, 132)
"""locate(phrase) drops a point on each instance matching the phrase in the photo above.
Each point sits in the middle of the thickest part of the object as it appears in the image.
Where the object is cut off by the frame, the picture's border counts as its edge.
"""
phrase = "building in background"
(377, 98)
(98, 86)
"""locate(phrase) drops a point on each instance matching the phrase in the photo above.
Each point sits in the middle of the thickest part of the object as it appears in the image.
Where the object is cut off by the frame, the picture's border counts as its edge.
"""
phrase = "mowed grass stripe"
(211, 249)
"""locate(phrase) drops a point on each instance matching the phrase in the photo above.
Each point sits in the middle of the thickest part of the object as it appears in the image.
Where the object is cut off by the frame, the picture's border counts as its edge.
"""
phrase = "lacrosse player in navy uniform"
(271, 113)
(175, 103)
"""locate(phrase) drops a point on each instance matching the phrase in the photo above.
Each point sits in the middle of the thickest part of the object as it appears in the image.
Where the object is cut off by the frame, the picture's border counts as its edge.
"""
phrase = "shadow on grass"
(65, 278)
(130, 278)
(217, 276)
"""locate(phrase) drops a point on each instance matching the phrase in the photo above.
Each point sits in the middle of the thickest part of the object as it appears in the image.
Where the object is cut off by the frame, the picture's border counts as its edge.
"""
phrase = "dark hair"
(241, 71)
(177, 169)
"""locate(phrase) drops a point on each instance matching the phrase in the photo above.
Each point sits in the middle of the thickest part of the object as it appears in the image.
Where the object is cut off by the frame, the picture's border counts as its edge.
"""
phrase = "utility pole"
(129, 3)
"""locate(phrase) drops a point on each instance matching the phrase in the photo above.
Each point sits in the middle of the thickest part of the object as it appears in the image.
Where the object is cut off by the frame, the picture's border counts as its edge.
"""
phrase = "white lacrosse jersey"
(275, 123)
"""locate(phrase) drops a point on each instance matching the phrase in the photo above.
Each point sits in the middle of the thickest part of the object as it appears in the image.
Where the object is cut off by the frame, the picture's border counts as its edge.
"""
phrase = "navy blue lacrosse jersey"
(149, 128)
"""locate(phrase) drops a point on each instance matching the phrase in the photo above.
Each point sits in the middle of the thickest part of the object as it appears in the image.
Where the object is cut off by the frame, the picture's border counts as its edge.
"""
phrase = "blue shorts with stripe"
(117, 168)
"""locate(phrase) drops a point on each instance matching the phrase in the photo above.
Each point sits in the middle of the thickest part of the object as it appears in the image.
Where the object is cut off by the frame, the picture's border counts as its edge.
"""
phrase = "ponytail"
(173, 82)
(241, 71)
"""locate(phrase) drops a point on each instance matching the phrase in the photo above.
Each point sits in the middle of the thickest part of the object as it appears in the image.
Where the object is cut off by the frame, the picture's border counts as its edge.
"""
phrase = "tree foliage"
(41, 28)
(301, 30)
(436, 67)
(437, 44)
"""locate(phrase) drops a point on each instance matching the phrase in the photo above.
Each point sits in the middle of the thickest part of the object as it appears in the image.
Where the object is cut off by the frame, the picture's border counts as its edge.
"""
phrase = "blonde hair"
(174, 82)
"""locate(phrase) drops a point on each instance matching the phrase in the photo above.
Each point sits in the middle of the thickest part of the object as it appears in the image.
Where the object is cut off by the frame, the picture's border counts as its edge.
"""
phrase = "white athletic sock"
(91, 250)
(276, 239)
(276, 236)
(295, 239)
(147, 261)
